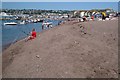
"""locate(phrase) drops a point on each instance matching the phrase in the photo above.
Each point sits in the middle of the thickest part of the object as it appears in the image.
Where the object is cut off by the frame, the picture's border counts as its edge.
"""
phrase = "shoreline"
(70, 46)
(4, 47)
(19, 42)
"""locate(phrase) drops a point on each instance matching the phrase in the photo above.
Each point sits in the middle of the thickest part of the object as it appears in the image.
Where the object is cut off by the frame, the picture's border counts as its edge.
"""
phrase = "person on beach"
(42, 26)
(84, 19)
(59, 22)
(92, 18)
(33, 35)
(48, 25)
(51, 26)
(103, 15)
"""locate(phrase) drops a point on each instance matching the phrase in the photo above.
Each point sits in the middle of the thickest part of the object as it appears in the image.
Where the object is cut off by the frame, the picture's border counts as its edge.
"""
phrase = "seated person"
(33, 35)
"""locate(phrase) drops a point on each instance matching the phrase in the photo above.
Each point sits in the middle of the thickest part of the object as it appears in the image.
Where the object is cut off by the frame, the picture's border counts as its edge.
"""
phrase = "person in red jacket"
(92, 18)
(33, 35)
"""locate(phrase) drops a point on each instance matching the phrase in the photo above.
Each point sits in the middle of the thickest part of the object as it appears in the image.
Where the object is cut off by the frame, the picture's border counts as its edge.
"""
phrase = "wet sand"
(71, 50)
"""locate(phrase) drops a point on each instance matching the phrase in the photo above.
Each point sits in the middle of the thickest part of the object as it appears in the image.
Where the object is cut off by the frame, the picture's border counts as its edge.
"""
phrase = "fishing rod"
(14, 40)
(23, 31)
(18, 35)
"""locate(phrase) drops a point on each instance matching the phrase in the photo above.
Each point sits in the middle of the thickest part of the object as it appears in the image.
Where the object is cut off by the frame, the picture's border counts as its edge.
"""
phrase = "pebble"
(114, 39)
(85, 33)
(115, 72)
(75, 42)
(101, 68)
(95, 71)
(37, 56)
(81, 26)
(66, 72)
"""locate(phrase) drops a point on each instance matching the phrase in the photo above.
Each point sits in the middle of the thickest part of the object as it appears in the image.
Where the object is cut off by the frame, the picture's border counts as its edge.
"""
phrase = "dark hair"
(33, 29)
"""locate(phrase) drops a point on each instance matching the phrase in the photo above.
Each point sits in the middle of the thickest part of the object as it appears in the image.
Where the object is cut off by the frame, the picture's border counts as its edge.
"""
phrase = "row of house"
(75, 13)
(88, 13)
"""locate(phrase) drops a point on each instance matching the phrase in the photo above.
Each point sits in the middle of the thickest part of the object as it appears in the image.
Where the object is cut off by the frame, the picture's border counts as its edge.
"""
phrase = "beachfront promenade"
(71, 50)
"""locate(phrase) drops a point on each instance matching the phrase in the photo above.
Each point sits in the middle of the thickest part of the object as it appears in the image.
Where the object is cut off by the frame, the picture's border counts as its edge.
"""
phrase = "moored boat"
(10, 23)
(40, 20)
(47, 23)
(23, 22)
(35, 21)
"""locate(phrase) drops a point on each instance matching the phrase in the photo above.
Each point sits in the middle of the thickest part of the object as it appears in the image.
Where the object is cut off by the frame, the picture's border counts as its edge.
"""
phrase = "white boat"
(40, 20)
(10, 23)
(47, 23)
(35, 21)
(23, 22)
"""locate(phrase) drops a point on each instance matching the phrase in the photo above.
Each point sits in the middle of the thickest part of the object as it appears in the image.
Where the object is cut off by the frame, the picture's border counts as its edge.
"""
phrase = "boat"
(35, 21)
(40, 20)
(23, 22)
(47, 23)
(10, 23)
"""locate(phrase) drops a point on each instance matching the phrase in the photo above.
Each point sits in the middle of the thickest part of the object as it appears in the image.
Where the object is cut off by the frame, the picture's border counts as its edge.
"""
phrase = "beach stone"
(85, 33)
(37, 56)
(115, 72)
(95, 71)
(75, 42)
(81, 26)
(66, 72)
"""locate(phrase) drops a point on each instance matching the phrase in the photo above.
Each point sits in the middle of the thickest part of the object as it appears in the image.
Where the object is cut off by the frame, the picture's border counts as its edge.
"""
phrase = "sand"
(66, 51)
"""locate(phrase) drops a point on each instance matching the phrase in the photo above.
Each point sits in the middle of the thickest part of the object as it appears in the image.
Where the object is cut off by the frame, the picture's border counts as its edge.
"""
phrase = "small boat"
(10, 23)
(35, 21)
(47, 23)
(23, 22)
(40, 20)
(31, 21)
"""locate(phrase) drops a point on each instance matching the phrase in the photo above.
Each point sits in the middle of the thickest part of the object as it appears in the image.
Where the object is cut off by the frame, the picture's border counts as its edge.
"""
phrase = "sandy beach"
(70, 50)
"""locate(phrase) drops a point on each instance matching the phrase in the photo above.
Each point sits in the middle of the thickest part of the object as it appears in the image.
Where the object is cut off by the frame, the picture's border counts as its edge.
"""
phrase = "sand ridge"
(70, 50)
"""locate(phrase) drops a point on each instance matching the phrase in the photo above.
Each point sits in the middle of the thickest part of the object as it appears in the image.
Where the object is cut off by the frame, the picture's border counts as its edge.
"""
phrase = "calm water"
(12, 33)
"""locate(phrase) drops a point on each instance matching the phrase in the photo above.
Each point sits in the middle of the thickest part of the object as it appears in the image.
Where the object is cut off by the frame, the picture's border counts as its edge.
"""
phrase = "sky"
(60, 5)
(60, 0)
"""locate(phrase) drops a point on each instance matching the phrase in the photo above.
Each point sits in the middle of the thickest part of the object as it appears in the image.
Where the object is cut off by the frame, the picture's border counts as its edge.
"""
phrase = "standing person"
(92, 18)
(58, 23)
(42, 26)
(84, 19)
(33, 35)
(103, 15)
(48, 25)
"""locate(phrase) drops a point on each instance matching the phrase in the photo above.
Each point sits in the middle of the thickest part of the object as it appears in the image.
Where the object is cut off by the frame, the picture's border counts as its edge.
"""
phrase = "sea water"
(12, 33)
